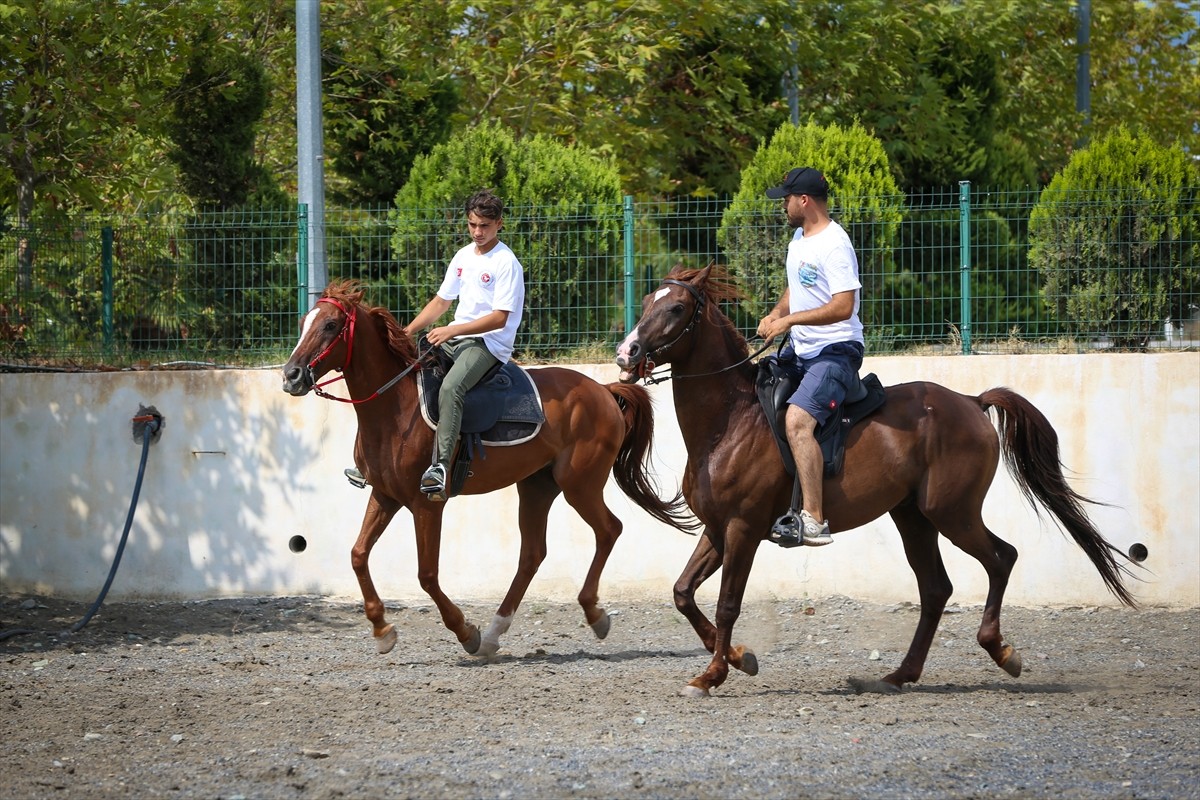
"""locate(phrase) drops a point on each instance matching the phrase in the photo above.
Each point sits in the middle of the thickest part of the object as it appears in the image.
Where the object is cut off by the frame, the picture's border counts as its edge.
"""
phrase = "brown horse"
(927, 457)
(589, 431)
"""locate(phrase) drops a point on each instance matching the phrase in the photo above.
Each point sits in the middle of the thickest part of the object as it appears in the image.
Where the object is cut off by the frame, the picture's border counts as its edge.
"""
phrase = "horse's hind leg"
(920, 539)
(537, 493)
(380, 511)
(586, 495)
(998, 558)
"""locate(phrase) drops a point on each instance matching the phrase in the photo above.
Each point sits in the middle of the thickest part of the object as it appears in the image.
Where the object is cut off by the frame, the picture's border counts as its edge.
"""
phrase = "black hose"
(150, 427)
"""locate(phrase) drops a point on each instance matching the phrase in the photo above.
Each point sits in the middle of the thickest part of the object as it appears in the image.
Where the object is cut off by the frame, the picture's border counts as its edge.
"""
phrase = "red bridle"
(347, 334)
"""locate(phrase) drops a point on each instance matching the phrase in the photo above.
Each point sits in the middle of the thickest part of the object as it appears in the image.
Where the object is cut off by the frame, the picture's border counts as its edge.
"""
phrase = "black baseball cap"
(801, 180)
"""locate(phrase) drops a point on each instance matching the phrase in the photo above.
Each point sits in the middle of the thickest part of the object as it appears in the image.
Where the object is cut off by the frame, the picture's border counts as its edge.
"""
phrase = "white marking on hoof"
(490, 644)
(387, 641)
(694, 691)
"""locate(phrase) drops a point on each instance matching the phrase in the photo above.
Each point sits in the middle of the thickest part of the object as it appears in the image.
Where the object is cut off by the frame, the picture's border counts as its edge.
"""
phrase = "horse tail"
(633, 460)
(1030, 447)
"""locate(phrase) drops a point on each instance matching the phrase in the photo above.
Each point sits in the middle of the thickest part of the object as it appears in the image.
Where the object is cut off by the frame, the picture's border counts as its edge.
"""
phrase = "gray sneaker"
(815, 534)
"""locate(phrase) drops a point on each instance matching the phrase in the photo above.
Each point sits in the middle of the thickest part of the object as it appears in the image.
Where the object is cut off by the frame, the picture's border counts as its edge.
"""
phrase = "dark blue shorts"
(826, 377)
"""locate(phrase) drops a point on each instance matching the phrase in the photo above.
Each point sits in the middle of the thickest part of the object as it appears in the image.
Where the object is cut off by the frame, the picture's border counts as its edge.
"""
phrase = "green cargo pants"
(472, 360)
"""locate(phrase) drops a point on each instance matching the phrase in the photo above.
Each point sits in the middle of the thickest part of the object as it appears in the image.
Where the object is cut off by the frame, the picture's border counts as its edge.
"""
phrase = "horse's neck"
(372, 368)
(708, 387)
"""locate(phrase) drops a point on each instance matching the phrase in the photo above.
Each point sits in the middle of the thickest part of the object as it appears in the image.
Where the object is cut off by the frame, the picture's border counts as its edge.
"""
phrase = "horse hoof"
(601, 626)
(748, 663)
(872, 686)
(1011, 663)
(387, 640)
(472, 642)
(693, 691)
(487, 649)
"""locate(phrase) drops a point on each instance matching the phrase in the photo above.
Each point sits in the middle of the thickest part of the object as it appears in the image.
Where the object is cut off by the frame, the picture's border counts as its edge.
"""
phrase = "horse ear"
(702, 275)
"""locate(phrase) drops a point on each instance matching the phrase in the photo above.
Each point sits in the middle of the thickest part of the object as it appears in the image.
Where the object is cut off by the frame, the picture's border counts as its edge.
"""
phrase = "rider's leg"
(472, 360)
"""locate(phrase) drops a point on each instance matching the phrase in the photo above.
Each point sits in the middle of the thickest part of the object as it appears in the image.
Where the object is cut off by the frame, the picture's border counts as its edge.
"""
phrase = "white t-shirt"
(494, 281)
(818, 267)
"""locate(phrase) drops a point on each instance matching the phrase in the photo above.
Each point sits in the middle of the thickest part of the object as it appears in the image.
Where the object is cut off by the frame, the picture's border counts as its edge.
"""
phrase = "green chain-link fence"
(964, 271)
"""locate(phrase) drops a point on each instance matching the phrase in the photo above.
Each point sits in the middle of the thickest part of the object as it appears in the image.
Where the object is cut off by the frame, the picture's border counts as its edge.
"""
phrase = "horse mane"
(719, 285)
(350, 292)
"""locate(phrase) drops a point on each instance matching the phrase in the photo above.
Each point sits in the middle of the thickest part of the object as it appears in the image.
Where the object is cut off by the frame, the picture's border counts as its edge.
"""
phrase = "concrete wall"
(241, 468)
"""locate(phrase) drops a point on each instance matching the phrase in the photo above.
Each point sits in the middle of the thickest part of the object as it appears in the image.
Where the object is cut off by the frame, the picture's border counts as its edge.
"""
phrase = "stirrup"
(355, 477)
(786, 531)
(794, 529)
(433, 483)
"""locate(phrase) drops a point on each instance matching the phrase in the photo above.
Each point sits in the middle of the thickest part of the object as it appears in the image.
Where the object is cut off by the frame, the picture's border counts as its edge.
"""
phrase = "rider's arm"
(492, 321)
(430, 314)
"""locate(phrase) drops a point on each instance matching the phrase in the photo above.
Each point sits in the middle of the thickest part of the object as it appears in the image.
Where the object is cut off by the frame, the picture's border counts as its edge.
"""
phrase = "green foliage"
(555, 222)
(378, 118)
(217, 107)
(1116, 237)
(864, 199)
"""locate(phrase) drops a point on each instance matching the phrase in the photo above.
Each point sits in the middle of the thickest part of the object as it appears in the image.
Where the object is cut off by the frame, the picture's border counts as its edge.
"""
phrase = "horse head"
(326, 342)
(669, 314)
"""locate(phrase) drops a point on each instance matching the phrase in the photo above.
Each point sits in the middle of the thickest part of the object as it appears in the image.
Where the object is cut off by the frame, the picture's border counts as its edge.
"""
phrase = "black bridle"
(648, 376)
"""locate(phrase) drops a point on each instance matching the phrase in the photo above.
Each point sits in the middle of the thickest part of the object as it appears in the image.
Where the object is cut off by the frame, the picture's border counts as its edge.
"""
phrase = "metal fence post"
(629, 291)
(106, 288)
(964, 247)
(302, 258)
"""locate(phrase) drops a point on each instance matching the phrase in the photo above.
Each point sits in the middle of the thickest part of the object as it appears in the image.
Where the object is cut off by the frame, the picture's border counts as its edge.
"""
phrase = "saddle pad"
(504, 409)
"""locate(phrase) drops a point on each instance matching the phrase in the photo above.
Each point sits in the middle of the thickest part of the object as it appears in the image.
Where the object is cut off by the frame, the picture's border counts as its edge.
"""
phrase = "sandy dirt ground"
(287, 698)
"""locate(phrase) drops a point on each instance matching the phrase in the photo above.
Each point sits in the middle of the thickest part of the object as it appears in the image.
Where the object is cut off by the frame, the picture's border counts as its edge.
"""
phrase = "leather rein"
(648, 376)
(347, 334)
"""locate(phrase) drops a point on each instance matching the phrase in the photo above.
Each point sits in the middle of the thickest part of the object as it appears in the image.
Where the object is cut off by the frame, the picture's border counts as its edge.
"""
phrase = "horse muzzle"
(632, 361)
(298, 380)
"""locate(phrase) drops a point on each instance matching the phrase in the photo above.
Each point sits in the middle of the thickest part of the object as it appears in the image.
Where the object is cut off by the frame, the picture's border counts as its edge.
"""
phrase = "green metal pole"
(964, 247)
(302, 258)
(630, 321)
(106, 289)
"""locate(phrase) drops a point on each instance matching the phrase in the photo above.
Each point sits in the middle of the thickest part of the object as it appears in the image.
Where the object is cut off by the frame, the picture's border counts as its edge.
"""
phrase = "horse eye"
(330, 325)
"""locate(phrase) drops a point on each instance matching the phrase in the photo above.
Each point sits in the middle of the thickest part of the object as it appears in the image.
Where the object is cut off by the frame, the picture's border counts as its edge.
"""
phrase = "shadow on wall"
(220, 482)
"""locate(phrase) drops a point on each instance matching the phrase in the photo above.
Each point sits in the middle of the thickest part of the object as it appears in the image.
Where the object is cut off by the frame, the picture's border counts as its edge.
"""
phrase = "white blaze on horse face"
(661, 293)
(623, 347)
(308, 321)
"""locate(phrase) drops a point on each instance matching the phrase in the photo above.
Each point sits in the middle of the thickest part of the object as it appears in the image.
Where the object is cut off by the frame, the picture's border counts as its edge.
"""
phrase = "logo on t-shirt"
(485, 278)
(458, 272)
(807, 274)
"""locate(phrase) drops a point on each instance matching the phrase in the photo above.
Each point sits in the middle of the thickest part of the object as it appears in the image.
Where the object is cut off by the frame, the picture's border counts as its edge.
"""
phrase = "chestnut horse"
(927, 457)
(590, 430)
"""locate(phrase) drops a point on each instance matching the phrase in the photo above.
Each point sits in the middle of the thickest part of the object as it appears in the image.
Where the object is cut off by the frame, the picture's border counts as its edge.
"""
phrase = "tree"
(864, 199)
(378, 119)
(1146, 69)
(562, 220)
(1116, 236)
(679, 91)
(218, 104)
(80, 85)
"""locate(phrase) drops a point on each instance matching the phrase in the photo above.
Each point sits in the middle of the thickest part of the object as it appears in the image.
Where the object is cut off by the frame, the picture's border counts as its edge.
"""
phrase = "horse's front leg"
(380, 510)
(705, 560)
(427, 518)
(735, 573)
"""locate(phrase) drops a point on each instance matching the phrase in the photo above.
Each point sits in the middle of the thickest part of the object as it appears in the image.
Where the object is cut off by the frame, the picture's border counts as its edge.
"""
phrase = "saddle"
(774, 384)
(502, 410)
